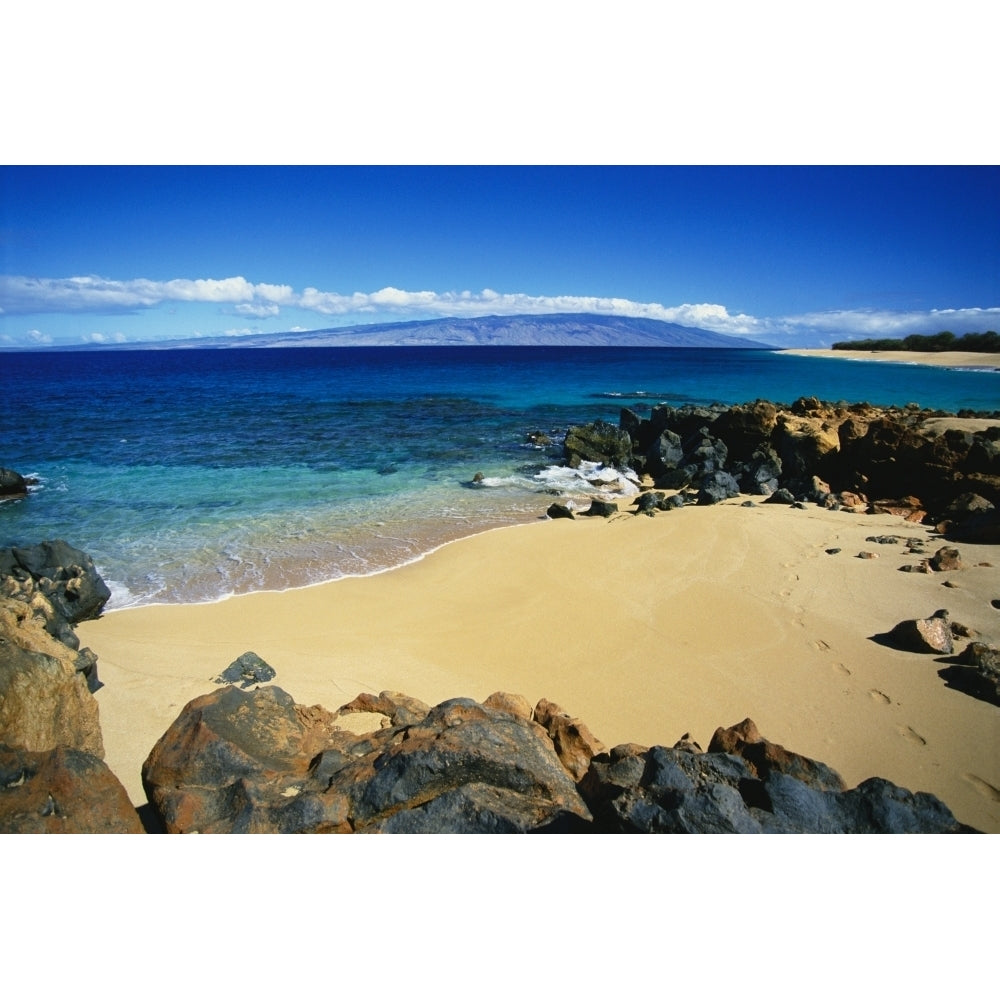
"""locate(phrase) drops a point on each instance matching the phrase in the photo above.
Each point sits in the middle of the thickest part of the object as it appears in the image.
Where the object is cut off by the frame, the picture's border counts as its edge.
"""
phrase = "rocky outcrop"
(61, 586)
(857, 457)
(238, 761)
(62, 790)
(744, 784)
(45, 700)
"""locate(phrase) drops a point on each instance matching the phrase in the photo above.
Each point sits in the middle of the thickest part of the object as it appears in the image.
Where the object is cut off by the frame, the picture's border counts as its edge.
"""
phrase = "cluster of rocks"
(52, 772)
(974, 670)
(855, 457)
(256, 762)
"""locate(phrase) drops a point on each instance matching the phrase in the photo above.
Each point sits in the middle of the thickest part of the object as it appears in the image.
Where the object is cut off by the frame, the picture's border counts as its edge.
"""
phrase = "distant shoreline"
(935, 359)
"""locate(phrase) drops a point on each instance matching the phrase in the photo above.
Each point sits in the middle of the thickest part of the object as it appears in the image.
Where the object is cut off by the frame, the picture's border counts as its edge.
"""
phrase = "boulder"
(246, 670)
(600, 508)
(781, 496)
(763, 757)
(61, 790)
(399, 709)
(946, 559)
(715, 487)
(256, 762)
(981, 528)
(976, 672)
(923, 635)
(45, 699)
(13, 484)
(597, 442)
(516, 704)
(559, 510)
(64, 574)
(665, 454)
(574, 743)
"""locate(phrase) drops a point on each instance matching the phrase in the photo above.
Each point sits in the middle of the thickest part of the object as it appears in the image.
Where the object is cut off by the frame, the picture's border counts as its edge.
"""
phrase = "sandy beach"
(646, 628)
(941, 359)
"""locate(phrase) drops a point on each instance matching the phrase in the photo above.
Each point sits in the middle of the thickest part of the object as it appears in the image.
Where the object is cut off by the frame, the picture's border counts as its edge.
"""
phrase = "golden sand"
(646, 628)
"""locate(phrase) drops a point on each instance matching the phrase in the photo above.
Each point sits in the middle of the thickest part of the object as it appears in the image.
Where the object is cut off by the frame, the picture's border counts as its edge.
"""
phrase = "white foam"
(589, 479)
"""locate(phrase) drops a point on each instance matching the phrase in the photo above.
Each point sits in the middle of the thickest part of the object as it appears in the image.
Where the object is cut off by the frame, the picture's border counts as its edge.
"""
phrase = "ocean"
(191, 475)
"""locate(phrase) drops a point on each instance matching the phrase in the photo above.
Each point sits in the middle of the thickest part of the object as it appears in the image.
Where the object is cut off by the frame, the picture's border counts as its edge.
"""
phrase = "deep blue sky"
(801, 255)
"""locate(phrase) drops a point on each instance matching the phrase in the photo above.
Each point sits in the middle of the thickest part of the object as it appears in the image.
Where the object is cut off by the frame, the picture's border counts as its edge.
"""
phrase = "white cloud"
(23, 295)
(488, 302)
(261, 311)
(37, 337)
(19, 294)
(855, 324)
(104, 338)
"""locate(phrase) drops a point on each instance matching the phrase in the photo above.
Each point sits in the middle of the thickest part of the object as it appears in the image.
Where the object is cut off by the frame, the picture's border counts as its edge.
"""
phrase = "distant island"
(554, 330)
(984, 343)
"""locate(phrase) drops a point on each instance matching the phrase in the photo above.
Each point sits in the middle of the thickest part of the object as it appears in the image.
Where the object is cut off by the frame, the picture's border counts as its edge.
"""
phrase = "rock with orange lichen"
(253, 762)
(61, 790)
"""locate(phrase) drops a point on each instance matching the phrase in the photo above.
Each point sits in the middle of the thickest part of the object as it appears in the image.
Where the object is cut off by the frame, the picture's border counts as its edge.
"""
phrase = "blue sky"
(790, 255)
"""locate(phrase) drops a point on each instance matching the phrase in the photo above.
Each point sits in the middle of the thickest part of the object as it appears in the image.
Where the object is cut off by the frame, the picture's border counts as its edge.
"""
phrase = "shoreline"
(958, 360)
(646, 629)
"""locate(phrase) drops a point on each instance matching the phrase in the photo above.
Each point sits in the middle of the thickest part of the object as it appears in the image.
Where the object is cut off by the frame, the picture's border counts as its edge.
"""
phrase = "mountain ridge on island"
(551, 330)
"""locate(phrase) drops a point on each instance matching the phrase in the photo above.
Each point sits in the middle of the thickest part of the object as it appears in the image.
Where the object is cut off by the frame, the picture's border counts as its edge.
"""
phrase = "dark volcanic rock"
(598, 442)
(976, 672)
(664, 455)
(65, 575)
(763, 789)
(982, 528)
(61, 586)
(13, 484)
(781, 496)
(246, 670)
(557, 510)
(61, 790)
(822, 451)
(600, 508)
(716, 487)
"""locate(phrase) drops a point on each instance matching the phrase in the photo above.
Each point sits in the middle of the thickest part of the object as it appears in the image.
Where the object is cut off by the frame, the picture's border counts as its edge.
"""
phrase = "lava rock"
(61, 790)
(923, 635)
(247, 670)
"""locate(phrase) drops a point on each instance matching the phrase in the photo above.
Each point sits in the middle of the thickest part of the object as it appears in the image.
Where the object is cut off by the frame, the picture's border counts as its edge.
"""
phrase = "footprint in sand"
(820, 645)
(884, 699)
(842, 668)
(983, 787)
(908, 733)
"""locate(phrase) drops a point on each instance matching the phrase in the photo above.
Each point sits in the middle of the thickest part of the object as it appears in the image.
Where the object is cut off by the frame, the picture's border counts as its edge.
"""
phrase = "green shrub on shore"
(986, 343)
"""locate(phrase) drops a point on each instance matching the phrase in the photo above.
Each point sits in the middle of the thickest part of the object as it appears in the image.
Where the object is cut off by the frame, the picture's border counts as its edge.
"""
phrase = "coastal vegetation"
(986, 343)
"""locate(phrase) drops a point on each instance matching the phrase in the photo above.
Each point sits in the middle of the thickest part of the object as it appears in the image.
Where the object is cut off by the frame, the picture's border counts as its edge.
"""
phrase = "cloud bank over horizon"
(236, 296)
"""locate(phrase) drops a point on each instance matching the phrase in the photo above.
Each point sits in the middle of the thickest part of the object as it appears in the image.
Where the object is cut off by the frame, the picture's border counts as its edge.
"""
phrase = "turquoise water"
(189, 475)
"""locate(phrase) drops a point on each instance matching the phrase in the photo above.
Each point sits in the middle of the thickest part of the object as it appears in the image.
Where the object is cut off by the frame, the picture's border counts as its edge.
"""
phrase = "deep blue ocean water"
(189, 475)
